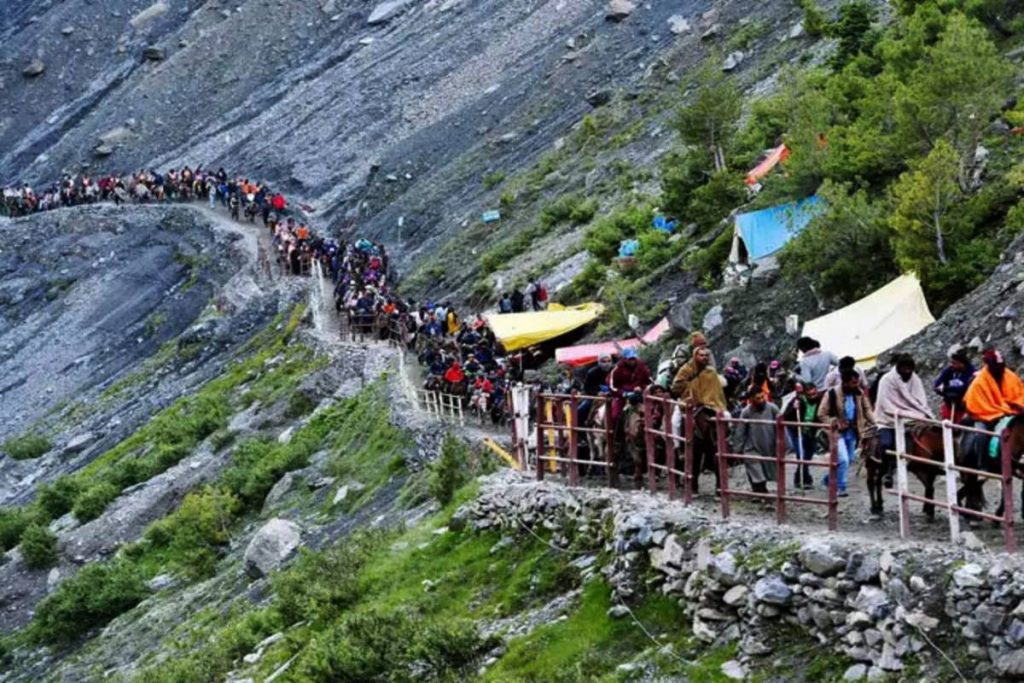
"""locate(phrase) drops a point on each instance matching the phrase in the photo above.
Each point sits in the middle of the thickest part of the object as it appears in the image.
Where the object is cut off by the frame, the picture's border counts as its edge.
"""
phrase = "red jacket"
(625, 379)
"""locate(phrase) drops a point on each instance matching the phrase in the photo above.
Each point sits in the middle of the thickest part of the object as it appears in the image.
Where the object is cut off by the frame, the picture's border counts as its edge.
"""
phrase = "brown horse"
(923, 441)
(974, 454)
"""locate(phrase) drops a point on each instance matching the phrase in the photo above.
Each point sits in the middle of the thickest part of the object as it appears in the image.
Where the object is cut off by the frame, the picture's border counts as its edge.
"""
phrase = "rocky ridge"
(953, 611)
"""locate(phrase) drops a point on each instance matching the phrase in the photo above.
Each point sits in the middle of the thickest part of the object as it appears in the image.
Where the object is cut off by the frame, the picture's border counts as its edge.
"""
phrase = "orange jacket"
(988, 400)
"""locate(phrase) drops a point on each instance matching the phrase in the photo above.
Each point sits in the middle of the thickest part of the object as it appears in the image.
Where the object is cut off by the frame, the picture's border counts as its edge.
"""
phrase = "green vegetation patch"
(26, 447)
(171, 434)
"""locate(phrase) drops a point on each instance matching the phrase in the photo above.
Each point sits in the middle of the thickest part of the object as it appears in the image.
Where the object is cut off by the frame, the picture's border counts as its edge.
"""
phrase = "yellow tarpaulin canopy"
(519, 330)
(874, 324)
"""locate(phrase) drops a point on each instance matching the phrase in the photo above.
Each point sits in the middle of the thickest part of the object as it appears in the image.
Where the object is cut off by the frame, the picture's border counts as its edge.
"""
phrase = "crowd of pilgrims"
(459, 357)
(463, 358)
(238, 195)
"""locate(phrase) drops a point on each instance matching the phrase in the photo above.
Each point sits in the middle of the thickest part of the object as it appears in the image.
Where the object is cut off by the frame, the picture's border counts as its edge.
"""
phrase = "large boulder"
(271, 547)
(619, 10)
(78, 443)
(280, 490)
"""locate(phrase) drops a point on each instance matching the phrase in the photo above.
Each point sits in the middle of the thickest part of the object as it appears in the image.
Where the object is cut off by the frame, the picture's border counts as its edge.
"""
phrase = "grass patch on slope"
(26, 447)
(172, 434)
(192, 540)
(589, 645)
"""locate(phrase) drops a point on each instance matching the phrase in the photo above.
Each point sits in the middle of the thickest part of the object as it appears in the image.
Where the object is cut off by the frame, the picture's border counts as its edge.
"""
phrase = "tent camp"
(762, 233)
(519, 330)
(874, 324)
(585, 354)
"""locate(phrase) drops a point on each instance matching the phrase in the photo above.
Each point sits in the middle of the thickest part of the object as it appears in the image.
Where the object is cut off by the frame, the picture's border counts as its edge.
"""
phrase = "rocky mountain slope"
(386, 118)
(202, 483)
(110, 315)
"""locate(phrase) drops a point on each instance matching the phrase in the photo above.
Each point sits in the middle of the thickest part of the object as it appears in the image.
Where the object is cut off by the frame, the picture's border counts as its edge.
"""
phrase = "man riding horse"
(899, 391)
(995, 397)
(699, 386)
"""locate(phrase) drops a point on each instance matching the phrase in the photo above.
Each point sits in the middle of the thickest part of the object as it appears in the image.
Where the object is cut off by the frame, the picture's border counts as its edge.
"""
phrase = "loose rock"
(619, 10)
(272, 545)
(35, 68)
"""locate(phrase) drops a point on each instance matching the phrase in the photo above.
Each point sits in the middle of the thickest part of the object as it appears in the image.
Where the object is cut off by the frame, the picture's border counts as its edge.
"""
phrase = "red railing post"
(670, 448)
(688, 474)
(780, 471)
(723, 462)
(1007, 481)
(652, 475)
(540, 436)
(833, 477)
(574, 435)
(609, 446)
(558, 436)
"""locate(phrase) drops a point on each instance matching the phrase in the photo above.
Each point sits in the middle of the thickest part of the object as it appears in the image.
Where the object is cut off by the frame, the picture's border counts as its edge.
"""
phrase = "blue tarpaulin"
(491, 216)
(766, 231)
(628, 248)
(664, 224)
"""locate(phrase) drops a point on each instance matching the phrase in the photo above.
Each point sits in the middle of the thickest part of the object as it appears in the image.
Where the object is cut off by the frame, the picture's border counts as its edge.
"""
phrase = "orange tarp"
(774, 158)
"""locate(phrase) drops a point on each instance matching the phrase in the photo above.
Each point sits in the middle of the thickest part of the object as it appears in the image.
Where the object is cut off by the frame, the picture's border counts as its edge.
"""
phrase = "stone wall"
(885, 606)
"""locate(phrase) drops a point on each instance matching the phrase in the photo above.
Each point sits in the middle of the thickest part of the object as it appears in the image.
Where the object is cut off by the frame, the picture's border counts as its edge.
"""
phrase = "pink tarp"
(774, 158)
(585, 354)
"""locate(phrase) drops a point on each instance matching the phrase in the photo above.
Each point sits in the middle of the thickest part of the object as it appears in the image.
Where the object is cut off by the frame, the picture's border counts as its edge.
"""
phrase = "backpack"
(542, 293)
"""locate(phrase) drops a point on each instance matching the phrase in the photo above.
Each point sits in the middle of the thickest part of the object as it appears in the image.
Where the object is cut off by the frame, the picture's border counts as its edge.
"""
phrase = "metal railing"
(442, 405)
(780, 496)
(558, 436)
(952, 472)
(558, 450)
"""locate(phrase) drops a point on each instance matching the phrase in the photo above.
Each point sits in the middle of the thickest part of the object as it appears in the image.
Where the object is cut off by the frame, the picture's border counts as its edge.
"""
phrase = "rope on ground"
(935, 647)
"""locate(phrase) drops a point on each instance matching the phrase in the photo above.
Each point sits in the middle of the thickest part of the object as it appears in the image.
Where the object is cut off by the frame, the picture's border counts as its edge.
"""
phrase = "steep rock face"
(78, 288)
(98, 324)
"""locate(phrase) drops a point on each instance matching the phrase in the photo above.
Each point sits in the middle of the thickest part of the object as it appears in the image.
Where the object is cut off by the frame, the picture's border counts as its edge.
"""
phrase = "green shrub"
(572, 208)
(221, 439)
(197, 530)
(449, 648)
(94, 500)
(39, 547)
(13, 522)
(374, 644)
(299, 405)
(507, 201)
(815, 22)
(493, 179)
(27, 447)
(91, 598)
(604, 238)
(449, 471)
(707, 263)
(58, 498)
(320, 586)
(716, 199)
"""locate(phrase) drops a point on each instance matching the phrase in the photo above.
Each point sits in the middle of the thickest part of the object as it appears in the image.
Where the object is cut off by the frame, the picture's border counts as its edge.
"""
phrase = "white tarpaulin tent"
(874, 324)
